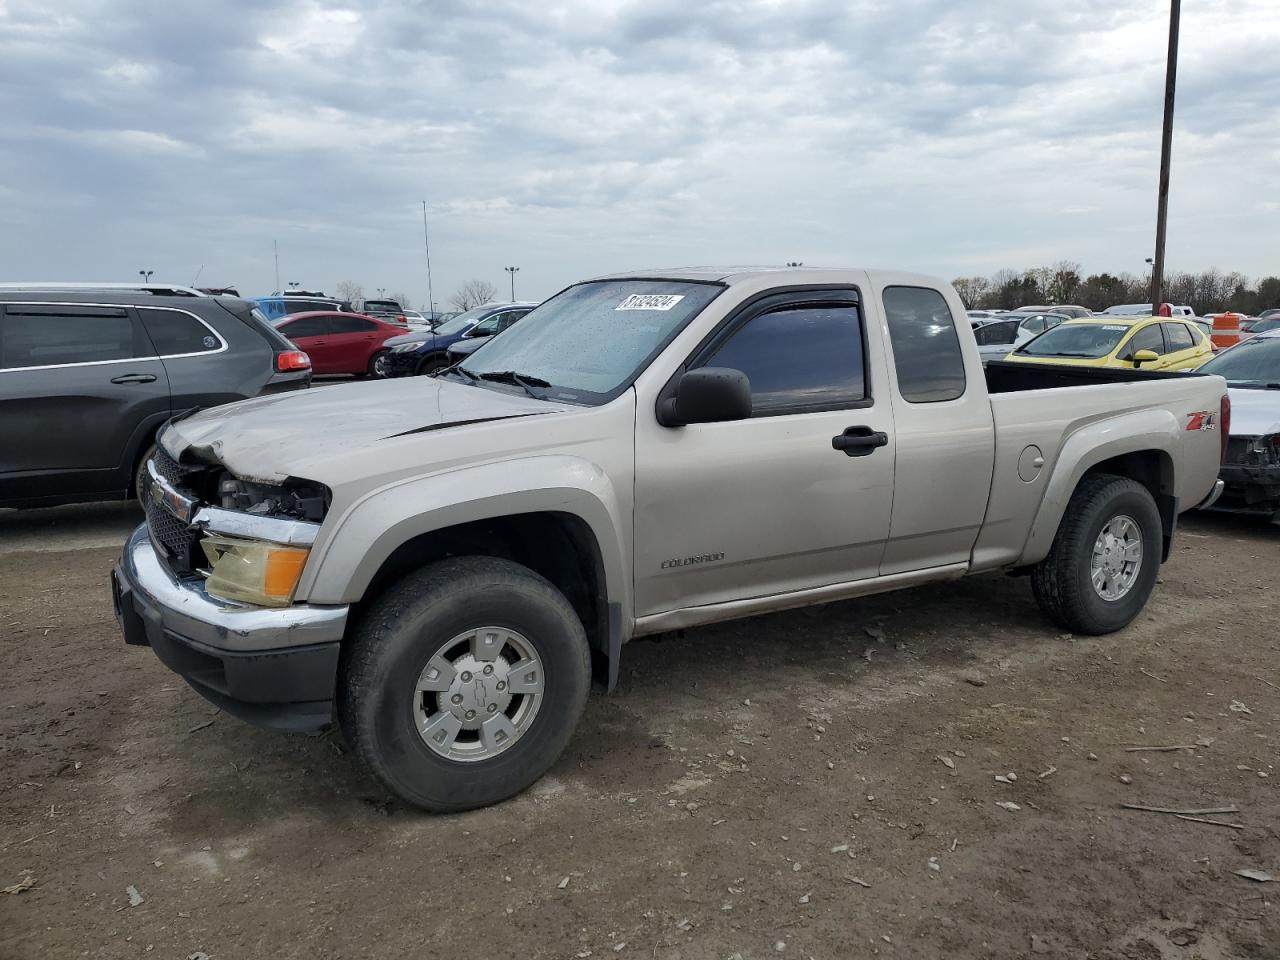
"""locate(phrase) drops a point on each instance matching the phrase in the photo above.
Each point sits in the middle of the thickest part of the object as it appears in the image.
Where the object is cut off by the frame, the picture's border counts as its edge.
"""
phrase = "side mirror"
(1144, 356)
(707, 395)
(479, 332)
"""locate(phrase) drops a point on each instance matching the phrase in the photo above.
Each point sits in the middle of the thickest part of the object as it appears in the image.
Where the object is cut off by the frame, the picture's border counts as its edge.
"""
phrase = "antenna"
(198, 272)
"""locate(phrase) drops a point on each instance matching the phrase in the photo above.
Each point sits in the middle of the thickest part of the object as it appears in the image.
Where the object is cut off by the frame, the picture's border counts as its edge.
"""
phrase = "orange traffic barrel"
(1226, 329)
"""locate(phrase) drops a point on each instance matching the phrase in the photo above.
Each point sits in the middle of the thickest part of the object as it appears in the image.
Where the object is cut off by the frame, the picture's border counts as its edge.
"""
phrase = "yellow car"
(1149, 343)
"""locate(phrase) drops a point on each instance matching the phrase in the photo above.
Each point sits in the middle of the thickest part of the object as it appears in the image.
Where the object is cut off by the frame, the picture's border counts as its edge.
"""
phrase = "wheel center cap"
(479, 690)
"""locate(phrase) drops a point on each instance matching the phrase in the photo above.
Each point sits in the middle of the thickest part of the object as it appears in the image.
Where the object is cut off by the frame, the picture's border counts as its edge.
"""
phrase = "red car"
(341, 342)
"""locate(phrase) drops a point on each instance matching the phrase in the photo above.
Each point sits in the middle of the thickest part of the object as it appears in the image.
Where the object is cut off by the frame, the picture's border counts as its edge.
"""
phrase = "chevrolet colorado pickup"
(443, 564)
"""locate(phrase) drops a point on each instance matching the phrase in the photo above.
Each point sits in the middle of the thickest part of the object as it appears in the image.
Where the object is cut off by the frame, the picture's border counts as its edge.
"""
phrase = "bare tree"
(971, 290)
(350, 290)
(403, 300)
(472, 294)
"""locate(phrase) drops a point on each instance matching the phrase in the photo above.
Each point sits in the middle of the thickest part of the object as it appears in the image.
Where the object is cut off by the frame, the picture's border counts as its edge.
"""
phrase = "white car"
(1143, 310)
(1251, 464)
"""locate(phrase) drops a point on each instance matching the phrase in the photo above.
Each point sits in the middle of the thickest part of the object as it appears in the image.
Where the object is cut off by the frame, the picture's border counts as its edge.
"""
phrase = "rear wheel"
(464, 683)
(1105, 558)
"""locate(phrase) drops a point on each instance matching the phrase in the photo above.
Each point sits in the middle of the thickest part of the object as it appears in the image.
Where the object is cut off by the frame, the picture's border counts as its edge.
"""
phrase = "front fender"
(1134, 432)
(353, 546)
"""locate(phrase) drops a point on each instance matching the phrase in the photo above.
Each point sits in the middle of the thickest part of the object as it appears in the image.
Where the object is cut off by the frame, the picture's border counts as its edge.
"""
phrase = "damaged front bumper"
(275, 667)
(1250, 489)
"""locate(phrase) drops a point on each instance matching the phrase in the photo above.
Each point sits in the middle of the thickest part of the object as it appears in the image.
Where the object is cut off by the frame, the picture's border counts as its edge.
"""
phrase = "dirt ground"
(812, 784)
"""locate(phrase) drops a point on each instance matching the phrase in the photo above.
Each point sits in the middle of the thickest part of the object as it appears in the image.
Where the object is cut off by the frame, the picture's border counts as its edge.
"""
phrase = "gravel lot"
(813, 784)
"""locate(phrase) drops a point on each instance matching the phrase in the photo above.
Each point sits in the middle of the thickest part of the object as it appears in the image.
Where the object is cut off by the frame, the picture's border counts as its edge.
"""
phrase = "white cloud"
(585, 136)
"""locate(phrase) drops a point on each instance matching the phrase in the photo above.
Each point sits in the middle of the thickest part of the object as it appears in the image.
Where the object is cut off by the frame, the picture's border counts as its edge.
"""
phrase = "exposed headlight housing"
(253, 571)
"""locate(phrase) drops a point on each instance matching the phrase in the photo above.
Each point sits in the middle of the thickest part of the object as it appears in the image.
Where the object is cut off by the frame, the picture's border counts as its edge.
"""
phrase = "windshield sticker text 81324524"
(650, 301)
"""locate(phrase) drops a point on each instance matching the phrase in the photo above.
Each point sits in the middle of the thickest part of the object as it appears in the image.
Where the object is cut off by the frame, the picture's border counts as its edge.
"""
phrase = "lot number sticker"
(650, 301)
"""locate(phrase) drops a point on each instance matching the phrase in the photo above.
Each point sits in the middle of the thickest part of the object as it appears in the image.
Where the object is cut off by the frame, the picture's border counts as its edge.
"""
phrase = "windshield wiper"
(458, 368)
(510, 376)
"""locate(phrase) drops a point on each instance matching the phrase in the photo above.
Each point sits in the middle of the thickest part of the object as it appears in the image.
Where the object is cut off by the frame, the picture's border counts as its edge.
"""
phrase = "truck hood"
(1254, 413)
(273, 437)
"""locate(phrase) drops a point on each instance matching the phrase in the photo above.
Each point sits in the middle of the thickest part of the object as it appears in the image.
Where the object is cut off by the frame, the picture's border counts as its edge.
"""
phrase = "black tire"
(377, 365)
(400, 633)
(1062, 582)
(432, 365)
(140, 473)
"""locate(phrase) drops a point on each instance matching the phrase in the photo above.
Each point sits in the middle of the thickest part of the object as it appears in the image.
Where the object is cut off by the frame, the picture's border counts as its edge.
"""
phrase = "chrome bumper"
(185, 610)
(1212, 498)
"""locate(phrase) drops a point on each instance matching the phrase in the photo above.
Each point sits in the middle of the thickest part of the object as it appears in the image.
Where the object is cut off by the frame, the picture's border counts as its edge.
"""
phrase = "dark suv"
(89, 373)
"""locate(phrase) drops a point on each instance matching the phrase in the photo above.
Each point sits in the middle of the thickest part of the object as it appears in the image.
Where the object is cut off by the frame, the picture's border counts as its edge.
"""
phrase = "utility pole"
(1166, 147)
(426, 241)
(512, 271)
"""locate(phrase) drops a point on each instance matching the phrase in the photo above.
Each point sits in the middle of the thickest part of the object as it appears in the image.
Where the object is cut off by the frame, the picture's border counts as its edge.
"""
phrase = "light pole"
(512, 271)
(426, 242)
(382, 292)
(294, 284)
(1166, 148)
(145, 275)
(794, 263)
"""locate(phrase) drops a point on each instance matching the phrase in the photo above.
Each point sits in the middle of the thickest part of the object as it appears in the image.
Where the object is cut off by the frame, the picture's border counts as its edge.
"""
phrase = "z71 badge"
(1202, 420)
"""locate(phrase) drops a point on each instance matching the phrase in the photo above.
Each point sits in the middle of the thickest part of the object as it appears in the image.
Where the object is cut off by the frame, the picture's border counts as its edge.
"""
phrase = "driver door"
(748, 508)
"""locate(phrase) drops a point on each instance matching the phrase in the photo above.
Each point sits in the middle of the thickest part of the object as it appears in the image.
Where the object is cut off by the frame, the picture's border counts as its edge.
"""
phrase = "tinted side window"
(33, 336)
(802, 357)
(306, 327)
(926, 350)
(1148, 338)
(173, 332)
(994, 334)
(351, 325)
(1178, 337)
(306, 306)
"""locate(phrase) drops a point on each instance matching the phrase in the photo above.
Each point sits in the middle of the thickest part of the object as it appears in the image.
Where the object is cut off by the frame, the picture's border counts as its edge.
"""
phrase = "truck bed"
(1006, 377)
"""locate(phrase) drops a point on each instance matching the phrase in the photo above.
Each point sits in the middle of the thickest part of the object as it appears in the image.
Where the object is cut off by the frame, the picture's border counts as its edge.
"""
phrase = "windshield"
(1090, 340)
(463, 320)
(589, 341)
(1252, 363)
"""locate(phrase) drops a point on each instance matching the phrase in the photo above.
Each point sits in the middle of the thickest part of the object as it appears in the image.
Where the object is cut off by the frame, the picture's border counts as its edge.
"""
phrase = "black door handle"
(859, 441)
(134, 378)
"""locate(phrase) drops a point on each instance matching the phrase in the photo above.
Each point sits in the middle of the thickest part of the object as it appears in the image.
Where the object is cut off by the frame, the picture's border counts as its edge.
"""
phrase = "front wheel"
(464, 683)
(378, 365)
(1104, 560)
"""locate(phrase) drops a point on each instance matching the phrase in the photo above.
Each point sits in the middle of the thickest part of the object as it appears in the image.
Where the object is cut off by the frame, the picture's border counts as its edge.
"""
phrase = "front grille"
(1238, 450)
(177, 542)
(1250, 452)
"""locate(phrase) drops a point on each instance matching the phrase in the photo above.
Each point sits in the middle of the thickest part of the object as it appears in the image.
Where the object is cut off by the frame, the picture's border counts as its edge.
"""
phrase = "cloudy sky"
(575, 138)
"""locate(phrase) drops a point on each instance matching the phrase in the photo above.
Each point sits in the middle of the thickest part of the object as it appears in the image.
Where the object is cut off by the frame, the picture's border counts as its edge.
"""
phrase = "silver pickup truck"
(443, 564)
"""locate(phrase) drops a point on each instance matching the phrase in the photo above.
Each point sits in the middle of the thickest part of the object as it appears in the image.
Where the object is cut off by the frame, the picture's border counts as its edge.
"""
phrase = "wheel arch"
(1138, 445)
(571, 535)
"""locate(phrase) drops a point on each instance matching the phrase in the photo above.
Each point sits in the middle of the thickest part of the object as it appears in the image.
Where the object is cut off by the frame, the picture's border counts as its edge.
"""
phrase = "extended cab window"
(926, 350)
(173, 332)
(38, 336)
(799, 357)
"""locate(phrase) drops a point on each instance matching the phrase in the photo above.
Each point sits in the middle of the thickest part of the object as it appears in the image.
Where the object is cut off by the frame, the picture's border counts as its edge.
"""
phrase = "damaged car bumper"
(1251, 489)
(271, 667)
